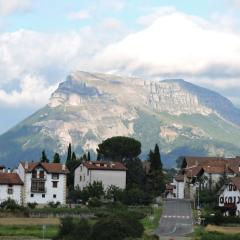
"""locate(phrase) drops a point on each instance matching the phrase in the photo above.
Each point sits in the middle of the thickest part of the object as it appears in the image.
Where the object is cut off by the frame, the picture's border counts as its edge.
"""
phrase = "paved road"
(176, 220)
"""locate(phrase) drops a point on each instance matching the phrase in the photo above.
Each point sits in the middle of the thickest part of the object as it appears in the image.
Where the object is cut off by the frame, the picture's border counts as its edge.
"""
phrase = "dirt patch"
(220, 229)
(28, 221)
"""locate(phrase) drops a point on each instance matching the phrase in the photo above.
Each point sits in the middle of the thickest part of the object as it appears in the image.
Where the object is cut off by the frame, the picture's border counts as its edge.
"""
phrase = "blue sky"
(41, 41)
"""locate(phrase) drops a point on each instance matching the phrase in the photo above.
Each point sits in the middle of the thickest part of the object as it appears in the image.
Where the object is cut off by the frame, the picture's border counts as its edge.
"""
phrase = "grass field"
(224, 230)
(28, 221)
(151, 222)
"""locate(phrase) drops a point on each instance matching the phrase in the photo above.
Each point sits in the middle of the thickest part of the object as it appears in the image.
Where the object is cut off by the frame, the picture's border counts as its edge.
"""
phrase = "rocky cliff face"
(88, 108)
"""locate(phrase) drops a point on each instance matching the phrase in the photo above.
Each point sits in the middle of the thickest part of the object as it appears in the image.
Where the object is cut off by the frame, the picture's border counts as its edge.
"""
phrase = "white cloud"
(34, 91)
(8, 7)
(176, 44)
(80, 15)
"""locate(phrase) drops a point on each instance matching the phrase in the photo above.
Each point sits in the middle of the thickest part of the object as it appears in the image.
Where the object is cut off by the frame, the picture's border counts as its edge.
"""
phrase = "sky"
(42, 41)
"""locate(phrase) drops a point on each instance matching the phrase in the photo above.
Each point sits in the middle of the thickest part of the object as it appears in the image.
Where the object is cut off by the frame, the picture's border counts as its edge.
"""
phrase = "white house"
(179, 185)
(43, 182)
(229, 197)
(109, 173)
(176, 188)
(10, 187)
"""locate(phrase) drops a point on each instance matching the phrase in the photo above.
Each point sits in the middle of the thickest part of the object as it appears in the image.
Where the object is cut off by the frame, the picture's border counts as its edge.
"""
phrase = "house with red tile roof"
(10, 187)
(43, 182)
(207, 171)
(229, 197)
(109, 173)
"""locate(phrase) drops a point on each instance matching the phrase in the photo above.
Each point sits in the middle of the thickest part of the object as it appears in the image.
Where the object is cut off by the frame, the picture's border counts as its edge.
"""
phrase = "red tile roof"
(215, 165)
(49, 167)
(179, 178)
(236, 182)
(100, 165)
(10, 178)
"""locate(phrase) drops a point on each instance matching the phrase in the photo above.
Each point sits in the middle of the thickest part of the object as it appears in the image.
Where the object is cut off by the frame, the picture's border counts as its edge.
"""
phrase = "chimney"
(4, 170)
(63, 167)
(26, 165)
(9, 170)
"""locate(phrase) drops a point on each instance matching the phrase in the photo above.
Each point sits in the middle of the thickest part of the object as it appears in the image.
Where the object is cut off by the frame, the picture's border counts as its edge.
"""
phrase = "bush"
(71, 229)
(94, 202)
(117, 228)
(53, 204)
(136, 197)
(32, 205)
(10, 204)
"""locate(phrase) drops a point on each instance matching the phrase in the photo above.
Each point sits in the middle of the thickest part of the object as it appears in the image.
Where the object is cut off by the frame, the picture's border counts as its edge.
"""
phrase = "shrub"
(53, 204)
(32, 205)
(71, 229)
(94, 202)
(10, 204)
(117, 228)
(136, 197)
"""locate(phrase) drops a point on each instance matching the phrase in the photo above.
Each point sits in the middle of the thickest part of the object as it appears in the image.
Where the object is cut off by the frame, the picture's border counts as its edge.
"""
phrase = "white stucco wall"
(107, 177)
(179, 191)
(16, 196)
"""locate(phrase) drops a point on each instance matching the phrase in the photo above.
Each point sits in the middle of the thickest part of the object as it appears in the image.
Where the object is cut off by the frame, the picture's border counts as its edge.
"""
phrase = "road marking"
(169, 216)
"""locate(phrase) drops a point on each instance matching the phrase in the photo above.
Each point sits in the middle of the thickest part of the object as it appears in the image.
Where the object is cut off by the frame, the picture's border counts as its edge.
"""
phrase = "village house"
(43, 182)
(109, 173)
(229, 197)
(205, 172)
(176, 188)
(10, 187)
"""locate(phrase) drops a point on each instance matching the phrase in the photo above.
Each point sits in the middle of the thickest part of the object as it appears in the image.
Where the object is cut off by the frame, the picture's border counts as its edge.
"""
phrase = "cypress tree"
(69, 154)
(44, 158)
(74, 158)
(89, 156)
(56, 158)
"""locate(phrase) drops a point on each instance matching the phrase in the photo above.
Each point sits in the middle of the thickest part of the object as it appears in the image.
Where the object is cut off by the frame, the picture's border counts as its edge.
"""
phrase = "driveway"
(176, 220)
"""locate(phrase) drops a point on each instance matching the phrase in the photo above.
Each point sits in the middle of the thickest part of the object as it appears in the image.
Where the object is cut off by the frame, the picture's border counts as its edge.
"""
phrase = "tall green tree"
(56, 158)
(155, 159)
(89, 156)
(69, 153)
(135, 173)
(119, 148)
(44, 157)
(155, 179)
(73, 158)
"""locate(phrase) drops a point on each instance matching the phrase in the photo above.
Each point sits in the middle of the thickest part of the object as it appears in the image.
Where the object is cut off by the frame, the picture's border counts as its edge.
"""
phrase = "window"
(54, 184)
(41, 174)
(38, 186)
(43, 195)
(32, 195)
(80, 178)
(34, 174)
(84, 178)
(54, 195)
(80, 168)
(10, 191)
(55, 176)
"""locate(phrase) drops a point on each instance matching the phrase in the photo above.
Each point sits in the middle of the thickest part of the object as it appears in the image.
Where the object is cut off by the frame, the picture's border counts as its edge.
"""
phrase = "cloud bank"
(171, 44)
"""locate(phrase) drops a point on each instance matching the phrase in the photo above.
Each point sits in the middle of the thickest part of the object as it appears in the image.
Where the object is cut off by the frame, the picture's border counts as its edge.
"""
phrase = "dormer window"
(55, 176)
(34, 174)
(41, 174)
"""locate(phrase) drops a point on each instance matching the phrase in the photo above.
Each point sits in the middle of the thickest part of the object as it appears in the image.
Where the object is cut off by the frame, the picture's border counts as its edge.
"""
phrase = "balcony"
(35, 190)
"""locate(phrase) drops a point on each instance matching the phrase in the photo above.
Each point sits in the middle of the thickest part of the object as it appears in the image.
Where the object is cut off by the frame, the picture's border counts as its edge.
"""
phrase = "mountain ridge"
(90, 107)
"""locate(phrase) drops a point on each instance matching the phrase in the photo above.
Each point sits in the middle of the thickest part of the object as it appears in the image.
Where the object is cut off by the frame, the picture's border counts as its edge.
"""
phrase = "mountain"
(90, 107)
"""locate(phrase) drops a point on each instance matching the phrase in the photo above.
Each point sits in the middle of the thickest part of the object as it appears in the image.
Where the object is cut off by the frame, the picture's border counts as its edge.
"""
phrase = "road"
(176, 220)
